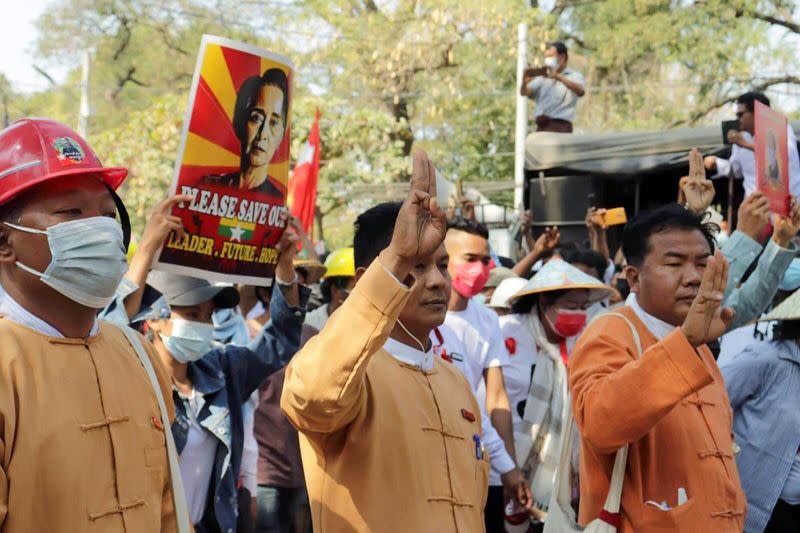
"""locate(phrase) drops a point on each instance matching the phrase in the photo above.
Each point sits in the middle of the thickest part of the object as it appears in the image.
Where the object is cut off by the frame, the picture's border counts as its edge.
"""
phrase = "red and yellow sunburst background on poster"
(231, 232)
(211, 144)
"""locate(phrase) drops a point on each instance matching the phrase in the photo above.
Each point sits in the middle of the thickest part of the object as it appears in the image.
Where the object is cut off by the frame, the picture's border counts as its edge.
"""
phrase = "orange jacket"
(672, 407)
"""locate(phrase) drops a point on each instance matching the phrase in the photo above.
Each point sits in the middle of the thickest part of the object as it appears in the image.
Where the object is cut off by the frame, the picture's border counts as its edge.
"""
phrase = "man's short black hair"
(469, 226)
(748, 100)
(590, 258)
(636, 237)
(374, 228)
(560, 47)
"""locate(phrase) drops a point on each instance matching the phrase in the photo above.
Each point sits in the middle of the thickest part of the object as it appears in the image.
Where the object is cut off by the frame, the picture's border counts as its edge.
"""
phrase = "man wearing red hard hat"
(83, 405)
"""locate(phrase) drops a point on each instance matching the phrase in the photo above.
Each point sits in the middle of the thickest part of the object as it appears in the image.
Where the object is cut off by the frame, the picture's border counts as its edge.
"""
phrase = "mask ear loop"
(124, 218)
(421, 346)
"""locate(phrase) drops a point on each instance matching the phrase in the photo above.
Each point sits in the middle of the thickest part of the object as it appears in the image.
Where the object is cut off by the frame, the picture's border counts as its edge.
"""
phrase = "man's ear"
(360, 272)
(632, 275)
(7, 254)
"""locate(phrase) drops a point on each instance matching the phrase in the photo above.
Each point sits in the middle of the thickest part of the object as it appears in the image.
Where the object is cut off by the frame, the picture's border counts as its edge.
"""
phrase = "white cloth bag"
(560, 515)
(178, 495)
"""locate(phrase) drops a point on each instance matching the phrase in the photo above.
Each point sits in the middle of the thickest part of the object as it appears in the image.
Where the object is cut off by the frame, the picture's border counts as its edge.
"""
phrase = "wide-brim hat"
(505, 290)
(558, 275)
(788, 310)
(497, 275)
(310, 264)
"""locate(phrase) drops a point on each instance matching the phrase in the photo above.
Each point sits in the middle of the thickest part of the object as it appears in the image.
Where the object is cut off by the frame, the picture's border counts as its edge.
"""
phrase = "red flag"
(302, 197)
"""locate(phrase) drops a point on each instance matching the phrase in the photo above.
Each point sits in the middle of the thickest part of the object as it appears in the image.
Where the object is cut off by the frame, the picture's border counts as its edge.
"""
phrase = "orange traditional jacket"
(386, 447)
(82, 445)
(672, 407)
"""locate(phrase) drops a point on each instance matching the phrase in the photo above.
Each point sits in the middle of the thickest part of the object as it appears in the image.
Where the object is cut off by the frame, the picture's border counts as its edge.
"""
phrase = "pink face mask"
(471, 278)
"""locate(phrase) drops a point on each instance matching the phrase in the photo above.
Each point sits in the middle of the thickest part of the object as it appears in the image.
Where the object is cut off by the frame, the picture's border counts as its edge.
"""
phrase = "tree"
(662, 63)
(389, 76)
(147, 144)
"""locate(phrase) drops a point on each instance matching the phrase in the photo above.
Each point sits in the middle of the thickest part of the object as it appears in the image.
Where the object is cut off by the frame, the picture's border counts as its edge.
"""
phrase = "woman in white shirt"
(549, 314)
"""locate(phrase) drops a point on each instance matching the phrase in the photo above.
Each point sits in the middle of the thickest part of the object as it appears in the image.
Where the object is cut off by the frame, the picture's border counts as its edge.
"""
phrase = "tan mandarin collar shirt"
(82, 445)
(386, 446)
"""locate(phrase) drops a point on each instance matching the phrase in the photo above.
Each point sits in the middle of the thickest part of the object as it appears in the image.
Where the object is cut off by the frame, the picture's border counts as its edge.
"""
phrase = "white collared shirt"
(408, 355)
(16, 313)
(742, 164)
(657, 327)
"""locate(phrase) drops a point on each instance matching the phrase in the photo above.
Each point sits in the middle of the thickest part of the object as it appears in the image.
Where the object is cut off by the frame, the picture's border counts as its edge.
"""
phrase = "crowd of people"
(415, 381)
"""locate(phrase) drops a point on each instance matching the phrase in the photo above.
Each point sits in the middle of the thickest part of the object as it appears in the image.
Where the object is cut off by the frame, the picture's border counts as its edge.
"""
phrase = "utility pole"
(522, 118)
(85, 110)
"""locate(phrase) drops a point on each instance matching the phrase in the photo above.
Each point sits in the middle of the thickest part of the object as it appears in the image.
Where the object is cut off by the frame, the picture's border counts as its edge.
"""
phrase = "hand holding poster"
(234, 160)
(772, 157)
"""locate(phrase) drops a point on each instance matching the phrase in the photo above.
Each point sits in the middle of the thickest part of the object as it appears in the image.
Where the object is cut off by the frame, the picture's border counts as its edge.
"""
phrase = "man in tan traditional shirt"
(389, 432)
(669, 404)
(82, 445)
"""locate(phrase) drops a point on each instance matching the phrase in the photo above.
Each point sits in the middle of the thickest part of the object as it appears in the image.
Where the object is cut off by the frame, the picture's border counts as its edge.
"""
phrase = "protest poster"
(772, 157)
(234, 160)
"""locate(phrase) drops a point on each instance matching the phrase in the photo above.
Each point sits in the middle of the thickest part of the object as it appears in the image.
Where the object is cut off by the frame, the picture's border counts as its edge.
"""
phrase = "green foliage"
(147, 144)
(391, 76)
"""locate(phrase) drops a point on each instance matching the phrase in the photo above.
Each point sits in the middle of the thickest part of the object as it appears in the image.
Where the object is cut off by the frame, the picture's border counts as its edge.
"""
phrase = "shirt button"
(298, 314)
(222, 431)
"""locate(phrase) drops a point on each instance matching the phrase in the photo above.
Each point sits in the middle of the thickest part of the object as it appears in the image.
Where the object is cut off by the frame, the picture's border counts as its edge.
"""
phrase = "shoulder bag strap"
(178, 495)
(620, 462)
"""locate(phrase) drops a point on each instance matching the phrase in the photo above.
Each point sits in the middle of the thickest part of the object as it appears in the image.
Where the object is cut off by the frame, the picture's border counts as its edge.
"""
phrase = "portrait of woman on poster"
(259, 121)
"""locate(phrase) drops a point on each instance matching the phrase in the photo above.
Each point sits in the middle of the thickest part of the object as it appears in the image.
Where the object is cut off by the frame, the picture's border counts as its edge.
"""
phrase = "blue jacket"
(763, 383)
(226, 377)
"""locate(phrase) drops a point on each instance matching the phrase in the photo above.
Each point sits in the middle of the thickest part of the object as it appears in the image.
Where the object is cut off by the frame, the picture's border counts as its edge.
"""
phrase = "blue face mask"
(791, 279)
(479, 298)
(189, 341)
(230, 327)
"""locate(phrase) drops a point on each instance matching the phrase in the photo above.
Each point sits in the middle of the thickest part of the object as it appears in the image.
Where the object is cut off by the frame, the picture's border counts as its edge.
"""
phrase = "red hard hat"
(35, 150)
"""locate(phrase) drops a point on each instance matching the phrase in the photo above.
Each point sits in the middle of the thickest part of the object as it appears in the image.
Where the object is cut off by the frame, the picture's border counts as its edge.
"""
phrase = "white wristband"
(286, 283)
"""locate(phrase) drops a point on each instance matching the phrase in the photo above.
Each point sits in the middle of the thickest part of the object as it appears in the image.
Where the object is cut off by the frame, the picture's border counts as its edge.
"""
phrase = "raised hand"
(421, 224)
(698, 190)
(754, 215)
(161, 223)
(787, 227)
(547, 241)
(284, 270)
(707, 319)
(594, 219)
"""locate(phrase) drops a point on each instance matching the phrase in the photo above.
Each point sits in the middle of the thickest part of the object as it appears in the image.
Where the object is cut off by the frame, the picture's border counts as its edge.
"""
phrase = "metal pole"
(83, 117)
(522, 119)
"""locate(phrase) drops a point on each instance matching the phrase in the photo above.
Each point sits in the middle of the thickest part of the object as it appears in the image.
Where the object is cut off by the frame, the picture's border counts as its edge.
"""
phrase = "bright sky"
(17, 38)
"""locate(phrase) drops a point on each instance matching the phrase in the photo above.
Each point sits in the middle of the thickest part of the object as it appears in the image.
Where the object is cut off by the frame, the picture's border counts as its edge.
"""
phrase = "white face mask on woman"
(87, 259)
(189, 341)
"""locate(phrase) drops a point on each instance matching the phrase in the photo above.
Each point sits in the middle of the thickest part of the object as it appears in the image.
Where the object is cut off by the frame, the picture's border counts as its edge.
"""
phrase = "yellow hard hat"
(340, 263)
(131, 251)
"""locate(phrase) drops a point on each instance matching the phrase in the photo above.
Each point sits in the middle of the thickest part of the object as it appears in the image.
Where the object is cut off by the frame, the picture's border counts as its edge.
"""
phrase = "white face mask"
(87, 259)
(189, 341)
(551, 62)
